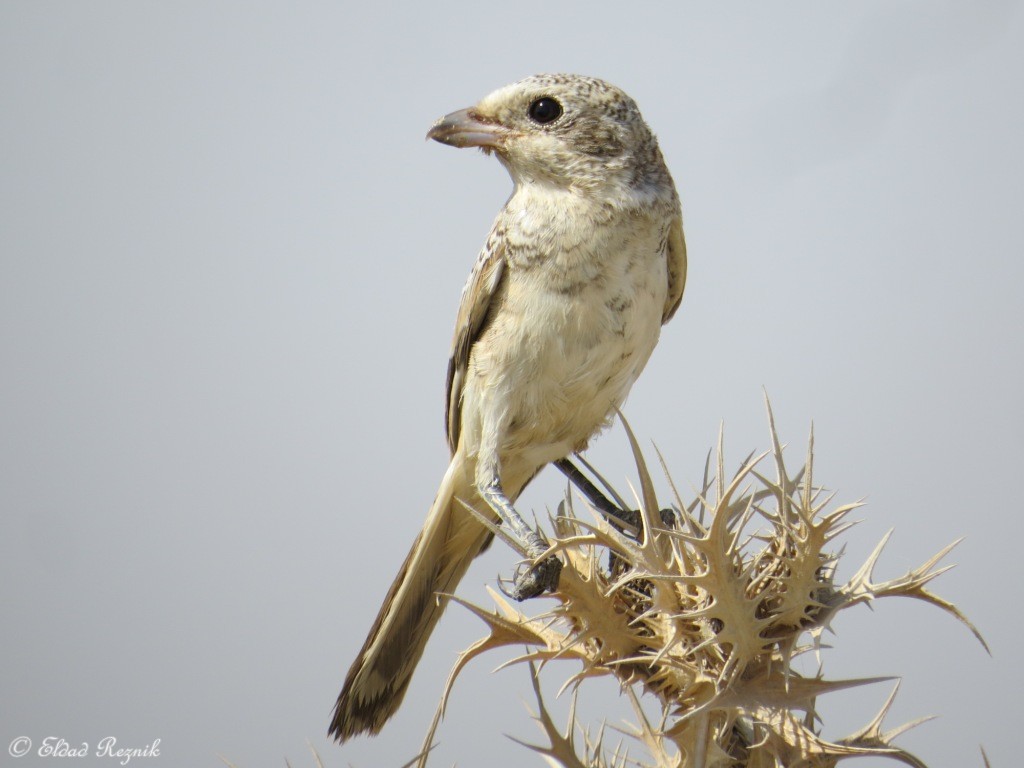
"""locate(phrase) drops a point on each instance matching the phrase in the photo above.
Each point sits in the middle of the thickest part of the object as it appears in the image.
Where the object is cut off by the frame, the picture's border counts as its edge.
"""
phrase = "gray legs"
(544, 576)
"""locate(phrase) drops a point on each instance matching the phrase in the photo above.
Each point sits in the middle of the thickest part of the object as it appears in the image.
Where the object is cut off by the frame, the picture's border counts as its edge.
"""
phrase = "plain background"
(229, 268)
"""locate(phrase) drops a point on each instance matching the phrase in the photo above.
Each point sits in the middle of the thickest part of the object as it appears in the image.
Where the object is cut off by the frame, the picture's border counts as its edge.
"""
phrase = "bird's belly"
(560, 364)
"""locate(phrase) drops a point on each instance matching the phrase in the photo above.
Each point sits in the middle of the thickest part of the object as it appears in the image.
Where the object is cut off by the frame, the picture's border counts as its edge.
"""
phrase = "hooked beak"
(466, 128)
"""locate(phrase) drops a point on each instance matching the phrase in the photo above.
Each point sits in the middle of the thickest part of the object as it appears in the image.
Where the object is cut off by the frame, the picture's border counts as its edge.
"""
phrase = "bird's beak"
(467, 128)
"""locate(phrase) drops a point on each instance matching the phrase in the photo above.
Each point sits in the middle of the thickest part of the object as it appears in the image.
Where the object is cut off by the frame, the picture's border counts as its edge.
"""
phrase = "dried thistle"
(704, 609)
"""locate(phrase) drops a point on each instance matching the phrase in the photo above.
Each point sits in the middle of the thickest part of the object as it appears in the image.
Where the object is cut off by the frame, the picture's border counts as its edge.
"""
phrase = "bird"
(582, 267)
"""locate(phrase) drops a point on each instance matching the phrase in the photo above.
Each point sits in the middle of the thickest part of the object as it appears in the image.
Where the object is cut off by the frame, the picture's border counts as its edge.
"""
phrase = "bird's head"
(567, 131)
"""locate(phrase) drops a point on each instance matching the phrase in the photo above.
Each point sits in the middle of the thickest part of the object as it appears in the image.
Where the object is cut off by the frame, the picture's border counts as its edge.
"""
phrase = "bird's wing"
(676, 268)
(476, 301)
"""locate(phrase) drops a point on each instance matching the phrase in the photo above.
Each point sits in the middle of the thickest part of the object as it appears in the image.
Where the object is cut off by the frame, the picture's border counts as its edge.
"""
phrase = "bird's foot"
(669, 518)
(541, 578)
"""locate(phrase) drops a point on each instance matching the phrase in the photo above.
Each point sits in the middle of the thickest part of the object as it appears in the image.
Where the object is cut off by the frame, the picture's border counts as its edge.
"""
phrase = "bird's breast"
(574, 328)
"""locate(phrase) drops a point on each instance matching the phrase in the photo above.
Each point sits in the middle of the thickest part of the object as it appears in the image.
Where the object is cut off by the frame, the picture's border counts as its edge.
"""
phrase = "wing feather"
(480, 289)
(676, 269)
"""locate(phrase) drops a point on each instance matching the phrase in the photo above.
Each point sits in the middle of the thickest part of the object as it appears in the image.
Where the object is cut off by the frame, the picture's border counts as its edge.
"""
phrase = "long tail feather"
(438, 560)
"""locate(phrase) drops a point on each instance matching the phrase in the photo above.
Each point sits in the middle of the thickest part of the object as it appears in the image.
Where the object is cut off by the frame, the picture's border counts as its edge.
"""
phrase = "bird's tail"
(438, 560)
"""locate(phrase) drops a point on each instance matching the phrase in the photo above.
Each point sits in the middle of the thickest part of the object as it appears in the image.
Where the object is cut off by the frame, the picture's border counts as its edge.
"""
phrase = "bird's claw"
(537, 580)
(669, 518)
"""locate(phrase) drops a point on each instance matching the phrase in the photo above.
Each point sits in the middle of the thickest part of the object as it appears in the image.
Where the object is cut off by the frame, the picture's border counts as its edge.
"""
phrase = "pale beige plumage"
(562, 310)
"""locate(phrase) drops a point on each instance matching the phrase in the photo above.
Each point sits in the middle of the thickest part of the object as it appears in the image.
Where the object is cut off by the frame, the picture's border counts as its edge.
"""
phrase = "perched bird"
(561, 312)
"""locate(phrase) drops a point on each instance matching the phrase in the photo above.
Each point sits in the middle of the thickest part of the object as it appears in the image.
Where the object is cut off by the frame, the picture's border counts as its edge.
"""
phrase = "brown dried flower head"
(704, 607)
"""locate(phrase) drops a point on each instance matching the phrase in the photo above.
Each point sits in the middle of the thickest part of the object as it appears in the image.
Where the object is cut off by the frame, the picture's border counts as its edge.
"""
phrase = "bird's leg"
(615, 514)
(602, 503)
(544, 576)
(605, 505)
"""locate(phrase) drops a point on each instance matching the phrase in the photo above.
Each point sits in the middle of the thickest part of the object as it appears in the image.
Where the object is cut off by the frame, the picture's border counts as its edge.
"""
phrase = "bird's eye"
(544, 110)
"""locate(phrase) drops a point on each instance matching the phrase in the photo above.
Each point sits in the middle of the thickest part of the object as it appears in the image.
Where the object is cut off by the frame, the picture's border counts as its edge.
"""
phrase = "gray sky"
(229, 268)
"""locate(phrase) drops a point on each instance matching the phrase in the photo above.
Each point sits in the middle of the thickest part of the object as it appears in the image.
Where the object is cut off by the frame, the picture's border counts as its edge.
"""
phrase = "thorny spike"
(650, 502)
(705, 486)
(609, 489)
(871, 735)
(562, 748)
(809, 472)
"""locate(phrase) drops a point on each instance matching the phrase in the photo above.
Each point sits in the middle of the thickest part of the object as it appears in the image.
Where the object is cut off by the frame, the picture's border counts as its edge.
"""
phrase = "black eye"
(544, 110)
